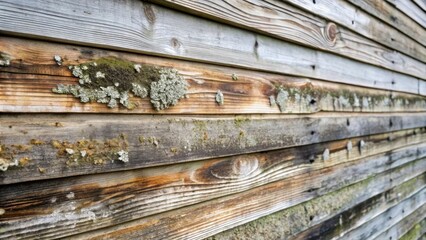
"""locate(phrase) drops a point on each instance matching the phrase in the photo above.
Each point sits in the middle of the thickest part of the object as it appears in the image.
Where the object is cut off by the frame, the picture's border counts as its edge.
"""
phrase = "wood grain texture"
(398, 230)
(416, 232)
(345, 14)
(160, 140)
(379, 224)
(325, 216)
(123, 196)
(411, 9)
(421, 4)
(250, 93)
(398, 20)
(281, 20)
(147, 28)
(195, 222)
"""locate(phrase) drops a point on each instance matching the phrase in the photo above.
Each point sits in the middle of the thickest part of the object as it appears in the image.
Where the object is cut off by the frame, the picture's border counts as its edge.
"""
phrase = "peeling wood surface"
(160, 140)
(124, 196)
(286, 22)
(328, 215)
(345, 14)
(398, 20)
(145, 28)
(33, 65)
(251, 204)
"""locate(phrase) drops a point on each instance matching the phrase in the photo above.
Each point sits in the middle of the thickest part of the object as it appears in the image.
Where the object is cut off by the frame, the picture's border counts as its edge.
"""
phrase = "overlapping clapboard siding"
(324, 169)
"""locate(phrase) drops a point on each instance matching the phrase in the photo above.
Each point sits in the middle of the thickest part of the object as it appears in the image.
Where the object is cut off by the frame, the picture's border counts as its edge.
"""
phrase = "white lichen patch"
(139, 90)
(69, 151)
(361, 144)
(100, 75)
(137, 68)
(123, 156)
(83, 153)
(219, 97)
(70, 195)
(282, 98)
(272, 101)
(4, 60)
(168, 90)
(326, 154)
(58, 60)
(5, 164)
(349, 146)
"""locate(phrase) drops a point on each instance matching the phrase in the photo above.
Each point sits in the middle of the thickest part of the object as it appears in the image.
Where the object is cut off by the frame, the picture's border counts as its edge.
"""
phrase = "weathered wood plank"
(325, 214)
(147, 189)
(148, 28)
(248, 92)
(286, 22)
(385, 12)
(85, 144)
(411, 9)
(416, 232)
(421, 4)
(345, 14)
(403, 227)
(373, 228)
(195, 222)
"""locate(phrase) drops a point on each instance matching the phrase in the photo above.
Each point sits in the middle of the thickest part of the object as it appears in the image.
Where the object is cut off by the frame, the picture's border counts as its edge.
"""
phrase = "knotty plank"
(400, 229)
(104, 196)
(281, 20)
(137, 26)
(411, 9)
(195, 222)
(385, 12)
(345, 14)
(374, 227)
(26, 86)
(160, 140)
(330, 213)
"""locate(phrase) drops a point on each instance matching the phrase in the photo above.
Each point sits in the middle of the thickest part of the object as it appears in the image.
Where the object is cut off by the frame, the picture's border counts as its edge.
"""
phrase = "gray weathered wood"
(159, 140)
(411, 9)
(346, 14)
(147, 28)
(281, 20)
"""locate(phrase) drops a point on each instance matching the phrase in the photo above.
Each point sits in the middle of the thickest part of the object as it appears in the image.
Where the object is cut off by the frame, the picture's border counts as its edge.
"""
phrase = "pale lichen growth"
(219, 97)
(5, 164)
(272, 101)
(168, 90)
(112, 81)
(234, 77)
(69, 151)
(58, 60)
(123, 156)
(326, 154)
(282, 98)
(4, 59)
(349, 146)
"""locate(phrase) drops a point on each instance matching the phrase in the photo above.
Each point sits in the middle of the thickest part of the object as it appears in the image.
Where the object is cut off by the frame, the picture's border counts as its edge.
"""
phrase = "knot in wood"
(149, 13)
(331, 33)
(235, 168)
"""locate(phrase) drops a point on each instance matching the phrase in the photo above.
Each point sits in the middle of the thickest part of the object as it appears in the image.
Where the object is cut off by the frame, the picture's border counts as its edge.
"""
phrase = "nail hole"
(312, 132)
(390, 123)
(10, 126)
(348, 123)
(311, 218)
(313, 101)
(314, 1)
(353, 22)
(313, 67)
(392, 39)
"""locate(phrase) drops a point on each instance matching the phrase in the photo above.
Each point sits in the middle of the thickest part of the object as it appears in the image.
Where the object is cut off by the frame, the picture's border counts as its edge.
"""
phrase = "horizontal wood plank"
(148, 187)
(147, 29)
(67, 145)
(345, 14)
(411, 9)
(325, 215)
(398, 20)
(249, 93)
(416, 232)
(281, 20)
(195, 222)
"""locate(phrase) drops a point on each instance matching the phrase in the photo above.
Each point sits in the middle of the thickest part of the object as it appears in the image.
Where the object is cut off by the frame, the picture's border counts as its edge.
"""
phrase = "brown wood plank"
(159, 31)
(196, 221)
(281, 20)
(326, 216)
(186, 184)
(345, 14)
(67, 145)
(26, 86)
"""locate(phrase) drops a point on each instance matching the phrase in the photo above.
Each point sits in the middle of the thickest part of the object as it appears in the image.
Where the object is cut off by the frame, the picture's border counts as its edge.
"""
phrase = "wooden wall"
(321, 133)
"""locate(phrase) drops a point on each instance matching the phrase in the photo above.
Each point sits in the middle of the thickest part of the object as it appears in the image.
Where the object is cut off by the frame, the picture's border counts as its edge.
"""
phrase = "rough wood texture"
(416, 232)
(411, 9)
(249, 93)
(398, 20)
(286, 22)
(325, 217)
(146, 28)
(345, 14)
(118, 197)
(421, 4)
(159, 140)
(195, 222)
